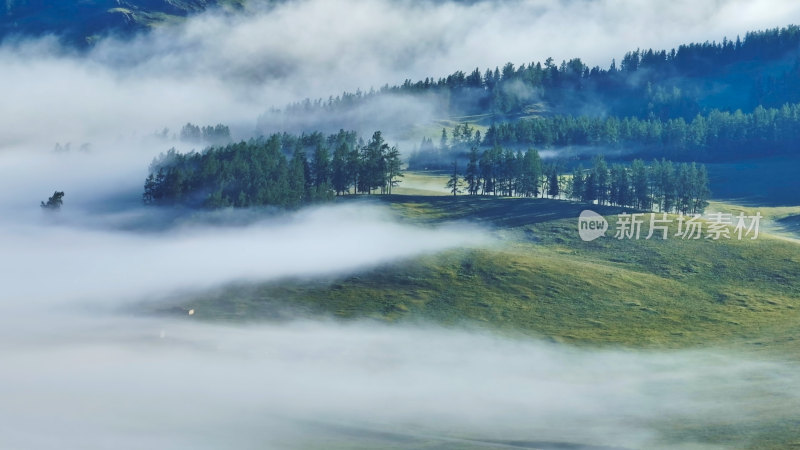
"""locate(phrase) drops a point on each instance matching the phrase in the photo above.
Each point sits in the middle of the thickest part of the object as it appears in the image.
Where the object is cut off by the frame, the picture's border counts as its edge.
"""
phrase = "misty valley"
(308, 224)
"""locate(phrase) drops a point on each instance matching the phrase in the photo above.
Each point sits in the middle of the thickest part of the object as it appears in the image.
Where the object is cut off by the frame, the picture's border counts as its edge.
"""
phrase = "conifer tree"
(454, 183)
(472, 176)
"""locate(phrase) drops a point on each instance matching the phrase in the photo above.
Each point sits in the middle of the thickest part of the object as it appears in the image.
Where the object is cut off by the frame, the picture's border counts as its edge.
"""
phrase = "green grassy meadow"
(540, 279)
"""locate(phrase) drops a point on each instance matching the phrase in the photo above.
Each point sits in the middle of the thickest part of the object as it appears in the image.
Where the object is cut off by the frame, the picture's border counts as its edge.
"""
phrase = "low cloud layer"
(166, 384)
(101, 265)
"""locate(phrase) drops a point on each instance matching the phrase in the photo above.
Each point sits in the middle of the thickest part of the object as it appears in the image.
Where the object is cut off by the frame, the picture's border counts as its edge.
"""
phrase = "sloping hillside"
(81, 22)
(541, 279)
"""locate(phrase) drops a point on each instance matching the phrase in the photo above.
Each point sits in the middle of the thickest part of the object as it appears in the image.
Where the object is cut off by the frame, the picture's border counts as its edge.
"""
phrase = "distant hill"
(762, 68)
(711, 101)
(82, 22)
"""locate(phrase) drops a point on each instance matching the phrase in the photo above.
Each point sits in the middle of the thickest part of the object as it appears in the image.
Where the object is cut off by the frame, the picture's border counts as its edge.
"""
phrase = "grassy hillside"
(541, 279)
(423, 183)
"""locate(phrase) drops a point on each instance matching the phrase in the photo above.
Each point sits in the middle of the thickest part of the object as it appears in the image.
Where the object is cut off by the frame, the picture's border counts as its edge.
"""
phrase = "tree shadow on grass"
(502, 211)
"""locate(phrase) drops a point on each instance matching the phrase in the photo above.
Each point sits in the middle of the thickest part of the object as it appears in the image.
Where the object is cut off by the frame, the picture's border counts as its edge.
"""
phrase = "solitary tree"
(54, 203)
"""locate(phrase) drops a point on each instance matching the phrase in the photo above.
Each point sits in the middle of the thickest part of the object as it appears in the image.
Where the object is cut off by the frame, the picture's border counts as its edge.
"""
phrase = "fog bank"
(131, 383)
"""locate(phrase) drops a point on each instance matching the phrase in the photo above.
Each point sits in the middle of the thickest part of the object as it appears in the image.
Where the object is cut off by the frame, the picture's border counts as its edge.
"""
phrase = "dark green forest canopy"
(280, 170)
(700, 102)
(760, 69)
(663, 185)
(717, 136)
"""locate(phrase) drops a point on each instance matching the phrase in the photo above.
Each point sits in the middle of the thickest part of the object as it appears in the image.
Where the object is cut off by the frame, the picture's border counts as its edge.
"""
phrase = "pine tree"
(443, 141)
(600, 179)
(54, 202)
(684, 178)
(620, 194)
(321, 167)
(297, 180)
(354, 169)
(589, 187)
(149, 189)
(472, 176)
(191, 132)
(373, 164)
(664, 179)
(552, 183)
(486, 166)
(454, 183)
(577, 184)
(700, 191)
(394, 169)
(509, 167)
(530, 173)
(339, 174)
(640, 185)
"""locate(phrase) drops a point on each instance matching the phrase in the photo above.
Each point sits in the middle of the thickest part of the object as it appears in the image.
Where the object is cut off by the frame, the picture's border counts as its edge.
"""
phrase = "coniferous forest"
(700, 102)
(280, 170)
(759, 69)
(717, 136)
(654, 105)
(662, 185)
